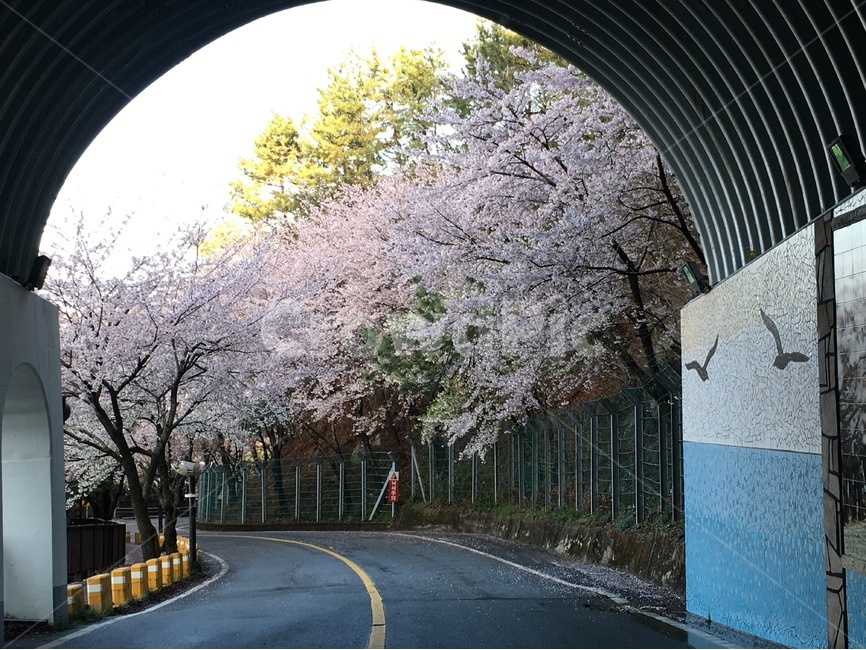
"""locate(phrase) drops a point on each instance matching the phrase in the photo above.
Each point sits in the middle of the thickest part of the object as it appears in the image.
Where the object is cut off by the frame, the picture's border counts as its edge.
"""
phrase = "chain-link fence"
(333, 488)
(619, 457)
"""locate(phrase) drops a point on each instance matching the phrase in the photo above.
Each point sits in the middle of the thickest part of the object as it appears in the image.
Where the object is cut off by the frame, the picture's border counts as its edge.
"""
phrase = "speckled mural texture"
(855, 201)
(754, 541)
(761, 385)
(856, 583)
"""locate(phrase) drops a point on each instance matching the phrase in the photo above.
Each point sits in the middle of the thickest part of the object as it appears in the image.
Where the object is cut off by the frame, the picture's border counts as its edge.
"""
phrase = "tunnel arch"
(740, 97)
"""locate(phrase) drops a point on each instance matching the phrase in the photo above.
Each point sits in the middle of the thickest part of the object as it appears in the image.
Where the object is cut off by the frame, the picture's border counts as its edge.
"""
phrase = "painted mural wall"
(752, 450)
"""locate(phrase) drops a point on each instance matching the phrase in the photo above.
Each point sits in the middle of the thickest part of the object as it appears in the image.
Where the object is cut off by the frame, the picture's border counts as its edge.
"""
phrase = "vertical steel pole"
(560, 467)
(495, 473)
(615, 489)
(593, 464)
(412, 474)
(342, 504)
(534, 466)
(363, 489)
(676, 459)
(244, 495)
(223, 498)
(203, 499)
(297, 490)
(664, 451)
(474, 476)
(318, 489)
(512, 467)
(639, 463)
(431, 469)
(548, 463)
(521, 472)
(193, 551)
(578, 465)
(636, 397)
(450, 473)
(264, 491)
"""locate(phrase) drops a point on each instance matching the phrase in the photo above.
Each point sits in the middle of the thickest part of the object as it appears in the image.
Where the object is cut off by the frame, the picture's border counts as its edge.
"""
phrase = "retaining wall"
(650, 554)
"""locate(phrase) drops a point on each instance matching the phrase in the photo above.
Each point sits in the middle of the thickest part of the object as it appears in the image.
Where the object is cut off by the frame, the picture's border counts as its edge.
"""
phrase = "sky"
(168, 157)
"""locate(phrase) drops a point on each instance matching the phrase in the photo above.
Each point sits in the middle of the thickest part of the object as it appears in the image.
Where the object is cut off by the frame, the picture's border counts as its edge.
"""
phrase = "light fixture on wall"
(38, 272)
(848, 159)
(697, 280)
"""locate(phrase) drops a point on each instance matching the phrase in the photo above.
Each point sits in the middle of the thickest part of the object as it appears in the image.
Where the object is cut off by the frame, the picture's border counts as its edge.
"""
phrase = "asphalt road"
(357, 590)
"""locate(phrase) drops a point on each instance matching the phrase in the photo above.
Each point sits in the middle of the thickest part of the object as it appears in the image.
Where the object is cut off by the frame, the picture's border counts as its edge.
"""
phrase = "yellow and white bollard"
(165, 570)
(176, 566)
(154, 576)
(121, 587)
(74, 598)
(127, 537)
(99, 592)
(138, 579)
(184, 563)
(138, 537)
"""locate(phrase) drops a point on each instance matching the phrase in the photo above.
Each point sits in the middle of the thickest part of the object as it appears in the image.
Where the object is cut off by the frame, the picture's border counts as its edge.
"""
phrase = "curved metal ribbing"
(740, 98)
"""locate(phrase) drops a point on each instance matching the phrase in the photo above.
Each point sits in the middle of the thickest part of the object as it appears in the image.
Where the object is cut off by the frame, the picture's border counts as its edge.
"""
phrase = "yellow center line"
(377, 607)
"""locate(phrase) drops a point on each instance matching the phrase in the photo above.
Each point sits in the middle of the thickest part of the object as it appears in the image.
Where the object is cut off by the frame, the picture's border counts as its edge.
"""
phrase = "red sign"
(394, 487)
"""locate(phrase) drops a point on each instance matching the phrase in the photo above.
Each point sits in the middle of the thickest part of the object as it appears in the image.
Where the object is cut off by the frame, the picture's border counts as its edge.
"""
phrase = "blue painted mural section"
(856, 584)
(754, 541)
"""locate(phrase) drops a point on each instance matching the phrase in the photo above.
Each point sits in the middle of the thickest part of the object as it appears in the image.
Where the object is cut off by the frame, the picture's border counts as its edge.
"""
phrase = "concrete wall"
(31, 449)
(752, 450)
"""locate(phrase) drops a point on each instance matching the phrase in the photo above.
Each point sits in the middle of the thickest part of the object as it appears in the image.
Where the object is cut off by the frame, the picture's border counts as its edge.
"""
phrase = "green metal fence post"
(223, 497)
(495, 473)
(548, 481)
(560, 467)
(341, 502)
(450, 473)
(615, 488)
(243, 494)
(473, 477)
(363, 487)
(635, 396)
(593, 457)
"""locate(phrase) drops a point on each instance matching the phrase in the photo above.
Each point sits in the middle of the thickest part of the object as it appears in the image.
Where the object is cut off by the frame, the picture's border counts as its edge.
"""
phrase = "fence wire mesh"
(334, 488)
(618, 457)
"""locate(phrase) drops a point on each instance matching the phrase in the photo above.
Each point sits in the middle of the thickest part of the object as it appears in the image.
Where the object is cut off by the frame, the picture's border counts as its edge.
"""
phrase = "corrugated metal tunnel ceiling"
(740, 96)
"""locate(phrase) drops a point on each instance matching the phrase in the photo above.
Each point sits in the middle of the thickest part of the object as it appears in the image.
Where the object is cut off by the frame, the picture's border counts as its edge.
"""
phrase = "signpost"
(394, 487)
(393, 490)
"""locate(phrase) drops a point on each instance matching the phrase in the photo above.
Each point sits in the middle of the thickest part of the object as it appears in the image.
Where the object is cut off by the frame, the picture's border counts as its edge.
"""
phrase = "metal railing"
(618, 457)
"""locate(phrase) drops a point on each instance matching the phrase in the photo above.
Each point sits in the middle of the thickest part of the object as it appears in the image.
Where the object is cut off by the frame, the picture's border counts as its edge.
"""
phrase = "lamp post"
(192, 470)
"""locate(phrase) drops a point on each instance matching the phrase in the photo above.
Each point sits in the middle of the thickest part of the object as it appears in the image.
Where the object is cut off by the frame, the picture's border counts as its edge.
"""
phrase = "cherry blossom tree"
(146, 356)
(523, 258)
(553, 230)
(545, 226)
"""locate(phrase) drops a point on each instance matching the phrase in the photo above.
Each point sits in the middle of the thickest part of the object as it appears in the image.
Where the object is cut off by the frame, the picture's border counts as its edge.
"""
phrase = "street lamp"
(192, 470)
